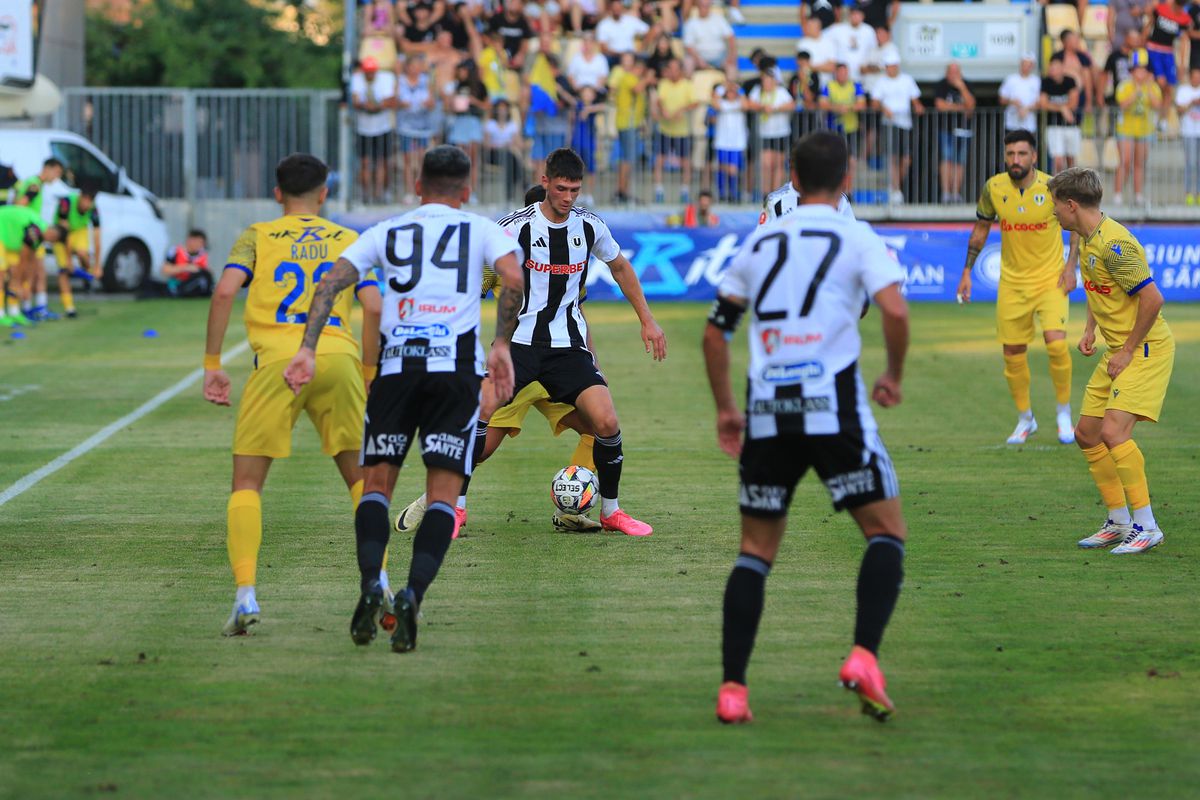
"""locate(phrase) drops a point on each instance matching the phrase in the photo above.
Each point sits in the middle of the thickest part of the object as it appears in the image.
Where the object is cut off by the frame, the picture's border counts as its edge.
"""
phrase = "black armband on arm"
(725, 315)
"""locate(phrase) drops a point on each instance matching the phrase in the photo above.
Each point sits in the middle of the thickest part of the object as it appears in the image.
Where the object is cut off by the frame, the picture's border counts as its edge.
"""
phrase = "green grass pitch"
(556, 665)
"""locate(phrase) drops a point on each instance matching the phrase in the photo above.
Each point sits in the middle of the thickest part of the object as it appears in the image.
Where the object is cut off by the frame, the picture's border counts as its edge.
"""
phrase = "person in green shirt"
(30, 192)
(75, 213)
(22, 231)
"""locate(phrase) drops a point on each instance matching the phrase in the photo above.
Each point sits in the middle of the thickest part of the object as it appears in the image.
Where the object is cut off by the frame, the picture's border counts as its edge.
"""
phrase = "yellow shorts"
(77, 241)
(1016, 308)
(1139, 390)
(8, 260)
(534, 395)
(335, 402)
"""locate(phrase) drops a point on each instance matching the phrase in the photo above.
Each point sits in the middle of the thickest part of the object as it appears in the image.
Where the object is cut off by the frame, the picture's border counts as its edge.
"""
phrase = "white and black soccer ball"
(574, 490)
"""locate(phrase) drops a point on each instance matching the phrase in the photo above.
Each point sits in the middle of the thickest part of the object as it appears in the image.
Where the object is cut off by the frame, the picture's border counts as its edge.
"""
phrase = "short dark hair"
(820, 162)
(53, 162)
(300, 173)
(445, 171)
(88, 188)
(564, 163)
(536, 194)
(199, 234)
(705, 193)
(1021, 135)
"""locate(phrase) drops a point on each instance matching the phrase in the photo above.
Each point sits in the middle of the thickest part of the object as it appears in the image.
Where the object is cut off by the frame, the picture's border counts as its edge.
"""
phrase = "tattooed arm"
(499, 365)
(303, 365)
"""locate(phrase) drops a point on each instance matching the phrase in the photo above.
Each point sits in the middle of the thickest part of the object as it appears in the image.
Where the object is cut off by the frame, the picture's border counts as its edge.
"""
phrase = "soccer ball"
(574, 490)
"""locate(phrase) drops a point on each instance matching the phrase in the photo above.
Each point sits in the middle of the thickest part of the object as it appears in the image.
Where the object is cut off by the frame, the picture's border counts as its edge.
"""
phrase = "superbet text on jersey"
(432, 260)
(803, 278)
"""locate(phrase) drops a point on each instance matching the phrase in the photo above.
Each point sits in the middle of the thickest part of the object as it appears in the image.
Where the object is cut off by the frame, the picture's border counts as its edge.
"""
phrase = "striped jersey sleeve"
(242, 255)
(1126, 263)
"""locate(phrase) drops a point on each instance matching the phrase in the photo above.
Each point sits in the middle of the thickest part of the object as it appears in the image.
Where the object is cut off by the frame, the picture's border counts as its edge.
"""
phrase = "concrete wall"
(62, 57)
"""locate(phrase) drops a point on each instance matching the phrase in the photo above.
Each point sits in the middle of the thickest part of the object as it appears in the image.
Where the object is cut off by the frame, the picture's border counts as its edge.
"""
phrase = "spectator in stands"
(589, 67)
(1077, 65)
(672, 106)
(618, 32)
(465, 101)
(186, 270)
(821, 50)
(378, 21)
(883, 49)
(880, 14)
(1167, 21)
(1019, 93)
(827, 12)
(730, 137)
(460, 24)
(373, 95)
(1060, 101)
(583, 137)
(696, 215)
(774, 106)
(628, 85)
(491, 60)
(505, 148)
(550, 105)
(515, 31)
(545, 16)
(1125, 16)
(1187, 101)
(1193, 35)
(1138, 98)
(659, 51)
(1117, 68)
(852, 41)
(708, 39)
(416, 122)
(898, 98)
(584, 15)
(953, 98)
(843, 99)
(660, 15)
(805, 86)
(443, 59)
(419, 34)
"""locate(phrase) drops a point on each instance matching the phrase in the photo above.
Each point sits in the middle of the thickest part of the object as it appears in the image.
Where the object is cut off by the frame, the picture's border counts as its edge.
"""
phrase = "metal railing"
(198, 145)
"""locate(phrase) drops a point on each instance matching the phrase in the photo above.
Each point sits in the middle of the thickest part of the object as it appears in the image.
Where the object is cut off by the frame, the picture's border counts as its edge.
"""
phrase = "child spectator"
(628, 85)
(185, 269)
(465, 101)
(505, 146)
(1187, 100)
(730, 138)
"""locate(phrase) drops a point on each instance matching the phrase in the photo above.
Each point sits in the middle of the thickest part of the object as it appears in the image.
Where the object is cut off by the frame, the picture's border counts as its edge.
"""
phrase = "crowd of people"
(651, 89)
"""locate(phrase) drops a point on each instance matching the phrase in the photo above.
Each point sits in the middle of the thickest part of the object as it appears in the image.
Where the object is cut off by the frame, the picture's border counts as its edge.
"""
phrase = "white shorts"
(1063, 140)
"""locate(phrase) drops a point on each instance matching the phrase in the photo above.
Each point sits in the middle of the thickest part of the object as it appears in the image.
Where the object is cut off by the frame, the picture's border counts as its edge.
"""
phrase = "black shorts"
(776, 144)
(565, 372)
(375, 147)
(673, 146)
(856, 469)
(442, 405)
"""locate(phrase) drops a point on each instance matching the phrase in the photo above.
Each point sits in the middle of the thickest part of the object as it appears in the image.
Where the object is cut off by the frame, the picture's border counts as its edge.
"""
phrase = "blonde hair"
(1079, 184)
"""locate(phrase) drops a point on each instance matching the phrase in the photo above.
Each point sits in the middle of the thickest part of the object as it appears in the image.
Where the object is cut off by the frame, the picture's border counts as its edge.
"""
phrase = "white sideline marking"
(98, 438)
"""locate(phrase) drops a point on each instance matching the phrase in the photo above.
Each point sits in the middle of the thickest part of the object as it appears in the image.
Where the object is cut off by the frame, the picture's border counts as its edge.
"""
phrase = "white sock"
(1026, 415)
(1145, 518)
(462, 501)
(608, 507)
(246, 593)
(383, 579)
(40, 300)
(1120, 515)
(1064, 408)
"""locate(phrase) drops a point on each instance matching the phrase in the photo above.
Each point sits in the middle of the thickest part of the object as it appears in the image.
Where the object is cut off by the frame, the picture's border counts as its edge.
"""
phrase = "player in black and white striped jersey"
(786, 199)
(431, 367)
(802, 277)
(558, 240)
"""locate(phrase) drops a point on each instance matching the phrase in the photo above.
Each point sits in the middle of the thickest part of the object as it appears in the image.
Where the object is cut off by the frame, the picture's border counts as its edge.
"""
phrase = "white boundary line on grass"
(98, 438)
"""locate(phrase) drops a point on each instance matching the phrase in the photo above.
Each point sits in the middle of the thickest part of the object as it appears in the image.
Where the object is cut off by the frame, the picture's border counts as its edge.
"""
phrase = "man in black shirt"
(880, 13)
(1117, 67)
(516, 31)
(828, 11)
(1060, 100)
(954, 99)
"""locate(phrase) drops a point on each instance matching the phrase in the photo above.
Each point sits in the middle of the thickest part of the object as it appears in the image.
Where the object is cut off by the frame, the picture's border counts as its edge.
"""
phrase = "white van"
(133, 233)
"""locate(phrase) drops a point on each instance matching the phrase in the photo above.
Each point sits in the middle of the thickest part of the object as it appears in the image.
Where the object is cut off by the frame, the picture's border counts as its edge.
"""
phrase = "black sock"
(429, 547)
(879, 580)
(743, 608)
(608, 456)
(371, 530)
(478, 443)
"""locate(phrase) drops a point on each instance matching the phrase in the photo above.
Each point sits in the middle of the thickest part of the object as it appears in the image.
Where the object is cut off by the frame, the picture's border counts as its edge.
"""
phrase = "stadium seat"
(1059, 18)
(1089, 156)
(1095, 23)
(1111, 156)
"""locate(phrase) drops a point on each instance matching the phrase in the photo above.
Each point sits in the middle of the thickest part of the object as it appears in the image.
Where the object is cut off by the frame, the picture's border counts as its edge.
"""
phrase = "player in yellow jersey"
(282, 261)
(1034, 280)
(496, 424)
(1130, 382)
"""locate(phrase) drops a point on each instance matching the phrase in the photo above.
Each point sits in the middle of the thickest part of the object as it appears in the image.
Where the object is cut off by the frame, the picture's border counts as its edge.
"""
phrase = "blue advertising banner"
(687, 264)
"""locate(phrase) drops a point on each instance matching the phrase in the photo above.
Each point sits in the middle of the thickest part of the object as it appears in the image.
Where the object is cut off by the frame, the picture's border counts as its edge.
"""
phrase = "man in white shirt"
(1019, 94)
(373, 94)
(872, 67)
(897, 96)
(708, 38)
(820, 48)
(852, 41)
(589, 67)
(617, 32)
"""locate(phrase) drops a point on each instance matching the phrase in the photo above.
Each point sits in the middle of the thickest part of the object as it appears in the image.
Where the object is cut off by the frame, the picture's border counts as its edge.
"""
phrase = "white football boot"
(245, 613)
(574, 523)
(1066, 431)
(1138, 541)
(1110, 533)
(410, 518)
(1026, 427)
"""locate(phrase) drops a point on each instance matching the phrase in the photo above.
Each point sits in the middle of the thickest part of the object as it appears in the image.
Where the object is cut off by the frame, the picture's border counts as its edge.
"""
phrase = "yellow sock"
(1016, 372)
(1060, 370)
(1104, 473)
(245, 534)
(356, 493)
(67, 297)
(1131, 467)
(583, 452)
